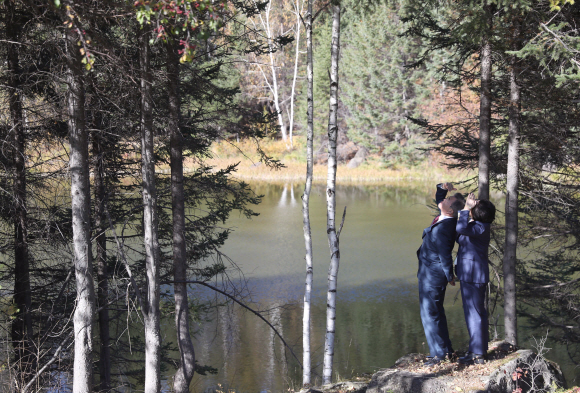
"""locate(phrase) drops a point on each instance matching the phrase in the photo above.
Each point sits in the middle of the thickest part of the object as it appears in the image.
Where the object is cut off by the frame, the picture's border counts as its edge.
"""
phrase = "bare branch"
(244, 306)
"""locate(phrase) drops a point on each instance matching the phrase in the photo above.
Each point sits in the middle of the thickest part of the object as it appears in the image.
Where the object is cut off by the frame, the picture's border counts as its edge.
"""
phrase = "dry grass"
(373, 171)
(225, 153)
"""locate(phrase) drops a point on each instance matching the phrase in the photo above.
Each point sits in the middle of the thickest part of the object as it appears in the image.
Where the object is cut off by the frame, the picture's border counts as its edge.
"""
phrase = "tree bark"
(306, 362)
(331, 199)
(80, 199)
(22, 332)
(186, 368)
(102, 271)
(485, 109)
(151, 313)
(511, 208)
(297, 57)
(275, 76)
(274, 85)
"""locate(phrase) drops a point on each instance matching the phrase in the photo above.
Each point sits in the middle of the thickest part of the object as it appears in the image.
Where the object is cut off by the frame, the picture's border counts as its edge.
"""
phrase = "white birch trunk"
(295, 77)
(80, 199)
(331, 200)
(275, 90)
(306, 362)
(511, 211)
(274, 85)
(150, 224)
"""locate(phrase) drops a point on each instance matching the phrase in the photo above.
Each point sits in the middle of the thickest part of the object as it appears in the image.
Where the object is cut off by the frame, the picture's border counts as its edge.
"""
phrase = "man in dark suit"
(436, 271)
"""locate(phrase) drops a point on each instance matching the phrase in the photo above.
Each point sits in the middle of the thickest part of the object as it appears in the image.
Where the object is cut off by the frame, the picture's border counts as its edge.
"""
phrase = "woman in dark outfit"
(472, 270)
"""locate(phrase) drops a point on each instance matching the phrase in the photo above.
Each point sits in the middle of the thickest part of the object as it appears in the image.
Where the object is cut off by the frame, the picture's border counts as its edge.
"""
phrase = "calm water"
(377, 312)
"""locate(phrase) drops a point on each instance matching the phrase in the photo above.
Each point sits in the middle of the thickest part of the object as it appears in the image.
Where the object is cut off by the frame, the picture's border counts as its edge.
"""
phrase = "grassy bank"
(374, 170)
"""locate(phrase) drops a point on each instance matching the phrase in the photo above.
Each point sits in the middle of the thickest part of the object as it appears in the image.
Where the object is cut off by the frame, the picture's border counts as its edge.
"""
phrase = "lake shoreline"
(373, 171)
(370, 173)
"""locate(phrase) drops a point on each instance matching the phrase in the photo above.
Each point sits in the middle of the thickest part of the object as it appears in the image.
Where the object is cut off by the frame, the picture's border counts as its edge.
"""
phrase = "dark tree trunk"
(511, 208)
(186, 368)
(22, 333)
(485, 109)
(102, 273)
(80, 199)
(150, 226)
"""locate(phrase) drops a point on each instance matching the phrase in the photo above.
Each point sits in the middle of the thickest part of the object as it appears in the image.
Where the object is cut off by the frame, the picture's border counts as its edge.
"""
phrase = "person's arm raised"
(442, 190)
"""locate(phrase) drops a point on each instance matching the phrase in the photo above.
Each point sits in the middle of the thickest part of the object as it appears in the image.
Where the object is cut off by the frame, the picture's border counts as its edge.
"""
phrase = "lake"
(377, 299)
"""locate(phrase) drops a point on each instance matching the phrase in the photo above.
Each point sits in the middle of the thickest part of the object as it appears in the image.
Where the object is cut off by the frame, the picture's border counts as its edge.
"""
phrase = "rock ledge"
(506, 371)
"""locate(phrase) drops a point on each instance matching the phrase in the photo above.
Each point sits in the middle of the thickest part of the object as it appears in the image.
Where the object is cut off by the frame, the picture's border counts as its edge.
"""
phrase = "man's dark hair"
(458, 204)
(484, 211)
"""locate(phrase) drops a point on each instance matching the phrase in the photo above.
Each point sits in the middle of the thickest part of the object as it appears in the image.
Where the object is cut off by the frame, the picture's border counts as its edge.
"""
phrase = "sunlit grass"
(294, 159)
(244, 153)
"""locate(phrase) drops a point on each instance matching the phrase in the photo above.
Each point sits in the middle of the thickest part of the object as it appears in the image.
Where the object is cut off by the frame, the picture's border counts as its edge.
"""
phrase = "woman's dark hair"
(484, 211)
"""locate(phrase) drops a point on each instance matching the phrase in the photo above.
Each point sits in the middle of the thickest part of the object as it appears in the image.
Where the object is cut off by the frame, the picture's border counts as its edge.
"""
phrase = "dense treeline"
(377, 96)
(94, 98)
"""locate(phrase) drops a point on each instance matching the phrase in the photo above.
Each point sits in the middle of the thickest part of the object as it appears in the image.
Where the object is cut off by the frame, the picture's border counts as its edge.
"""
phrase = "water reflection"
(377, 312)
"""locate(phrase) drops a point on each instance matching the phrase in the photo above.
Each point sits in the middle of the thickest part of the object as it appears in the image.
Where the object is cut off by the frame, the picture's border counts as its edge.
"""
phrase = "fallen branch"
(47, 365)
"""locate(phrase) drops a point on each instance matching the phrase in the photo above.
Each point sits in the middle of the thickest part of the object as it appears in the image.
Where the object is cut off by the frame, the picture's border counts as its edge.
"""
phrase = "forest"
(111, 212)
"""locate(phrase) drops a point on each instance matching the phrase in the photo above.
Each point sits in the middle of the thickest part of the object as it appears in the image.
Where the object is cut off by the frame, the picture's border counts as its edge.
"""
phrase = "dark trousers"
(434, 319)
(473, 297)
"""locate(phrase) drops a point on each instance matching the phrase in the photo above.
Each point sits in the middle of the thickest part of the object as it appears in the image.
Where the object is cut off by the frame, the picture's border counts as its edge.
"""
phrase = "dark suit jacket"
(473, 238)
(435, 261)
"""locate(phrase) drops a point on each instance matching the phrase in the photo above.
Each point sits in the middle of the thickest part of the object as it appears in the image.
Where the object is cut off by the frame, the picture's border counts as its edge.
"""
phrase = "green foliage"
(381, 92)
(189, 19)
(556, 43)
(407, 154)
(378, 89)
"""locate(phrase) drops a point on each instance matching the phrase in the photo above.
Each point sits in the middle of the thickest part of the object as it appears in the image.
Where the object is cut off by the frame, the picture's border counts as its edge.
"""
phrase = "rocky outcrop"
(359, 158)
(346, 151)
(506, 371)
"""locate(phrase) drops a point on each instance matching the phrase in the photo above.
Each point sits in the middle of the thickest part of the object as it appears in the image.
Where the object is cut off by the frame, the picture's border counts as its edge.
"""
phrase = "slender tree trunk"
(186, 368)
(22, 333)
(485, 110)
(80, 193)
(306, 362)
(275, 89)
(102, 271)
(150, 227)
(297, 57)
(331, 200)
(274, 85)
(511, 209)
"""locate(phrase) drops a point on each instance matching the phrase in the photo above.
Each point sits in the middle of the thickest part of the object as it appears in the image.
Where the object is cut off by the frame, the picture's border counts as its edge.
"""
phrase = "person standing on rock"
(436, 271)
(472, 271)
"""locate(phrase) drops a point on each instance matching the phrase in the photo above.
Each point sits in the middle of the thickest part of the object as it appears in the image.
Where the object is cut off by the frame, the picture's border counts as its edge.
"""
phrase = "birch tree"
(80, 199)
(306, 362)
(333, 235)
(272, 79)
(511, 203)
(151, 313)
(298, 9)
